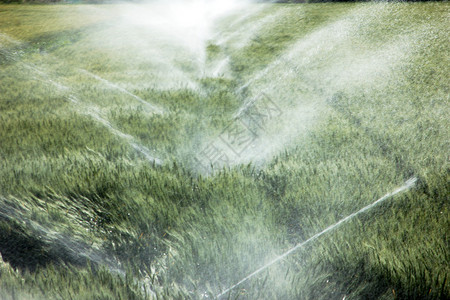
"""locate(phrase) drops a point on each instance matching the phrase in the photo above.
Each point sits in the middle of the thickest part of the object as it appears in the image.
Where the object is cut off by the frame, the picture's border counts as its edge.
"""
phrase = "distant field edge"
(146, 1)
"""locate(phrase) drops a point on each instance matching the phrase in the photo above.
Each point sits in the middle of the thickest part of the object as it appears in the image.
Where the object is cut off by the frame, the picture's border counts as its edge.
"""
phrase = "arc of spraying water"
(117, 87)
(91, 110)
(407, 185)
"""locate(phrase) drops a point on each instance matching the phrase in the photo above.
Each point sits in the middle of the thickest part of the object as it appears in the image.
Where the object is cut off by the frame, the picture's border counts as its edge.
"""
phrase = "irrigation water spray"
(188, 24)
(406, 186)
(316, 67)
(241, 33)
(321, 42)
(152, 107)
(89, 110)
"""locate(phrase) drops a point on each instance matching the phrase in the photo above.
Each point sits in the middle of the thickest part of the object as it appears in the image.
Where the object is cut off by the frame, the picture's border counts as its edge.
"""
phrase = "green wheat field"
(140, 159)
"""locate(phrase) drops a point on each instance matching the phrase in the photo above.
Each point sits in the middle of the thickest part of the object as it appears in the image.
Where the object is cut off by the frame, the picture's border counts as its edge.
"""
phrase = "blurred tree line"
(137, 1)
(318, 1)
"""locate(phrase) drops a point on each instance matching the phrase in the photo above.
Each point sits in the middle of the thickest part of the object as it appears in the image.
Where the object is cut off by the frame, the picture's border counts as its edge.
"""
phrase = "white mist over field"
(188, 22)
(163, 46)
(315, 67)
(165, 43)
